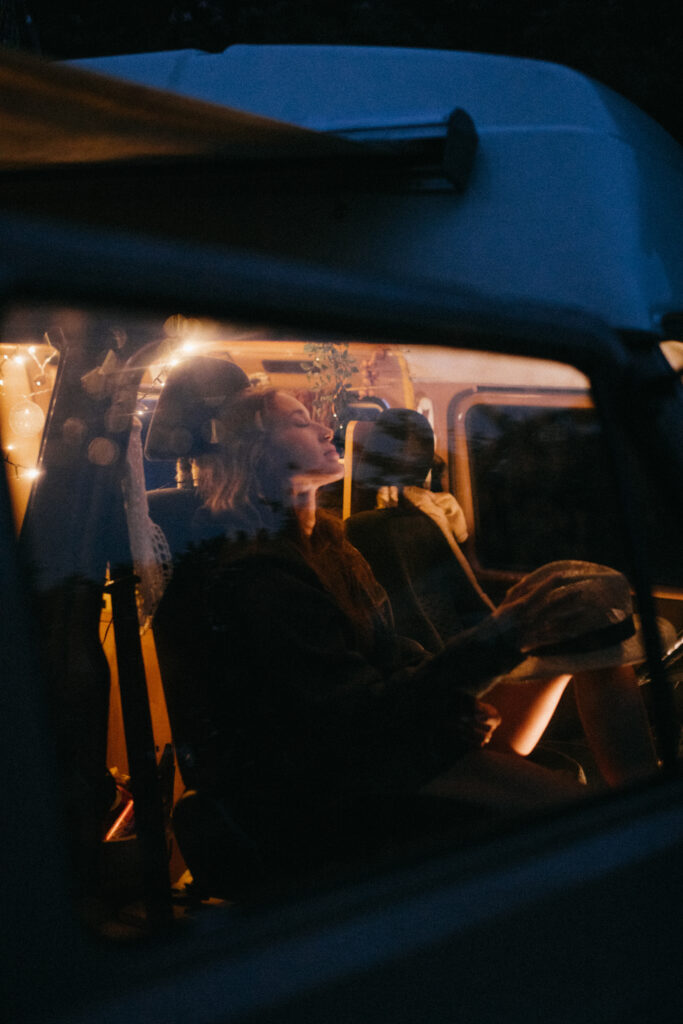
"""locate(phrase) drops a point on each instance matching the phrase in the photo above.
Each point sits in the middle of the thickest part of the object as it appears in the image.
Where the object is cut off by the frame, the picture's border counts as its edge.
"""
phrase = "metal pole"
(142, 762)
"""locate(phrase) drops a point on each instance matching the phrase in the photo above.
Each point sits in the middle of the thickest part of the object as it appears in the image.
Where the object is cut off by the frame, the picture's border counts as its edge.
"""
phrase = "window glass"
(542, 485)
(201, 630)
(28, 368)
(541, 481)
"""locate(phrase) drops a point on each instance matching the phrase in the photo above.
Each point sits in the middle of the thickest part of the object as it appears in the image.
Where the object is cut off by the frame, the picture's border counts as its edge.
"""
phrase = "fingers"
(540, 614)
(477, 727)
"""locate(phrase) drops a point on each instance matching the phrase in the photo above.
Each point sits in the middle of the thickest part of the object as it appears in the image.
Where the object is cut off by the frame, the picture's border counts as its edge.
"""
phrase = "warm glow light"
(189, 347)
(31, 474)
(19, 358)
(120, 821)
(26, 418)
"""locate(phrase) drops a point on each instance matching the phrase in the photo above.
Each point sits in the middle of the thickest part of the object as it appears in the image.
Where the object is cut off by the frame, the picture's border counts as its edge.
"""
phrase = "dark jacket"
(291, 695)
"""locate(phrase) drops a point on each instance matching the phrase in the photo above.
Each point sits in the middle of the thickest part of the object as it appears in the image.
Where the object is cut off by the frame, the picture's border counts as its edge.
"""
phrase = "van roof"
(351, 88)
(576, 197)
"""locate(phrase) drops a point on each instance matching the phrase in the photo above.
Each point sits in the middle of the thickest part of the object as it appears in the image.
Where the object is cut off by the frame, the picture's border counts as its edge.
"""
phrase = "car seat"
(432, 589)
(221, 858)
(431, 586)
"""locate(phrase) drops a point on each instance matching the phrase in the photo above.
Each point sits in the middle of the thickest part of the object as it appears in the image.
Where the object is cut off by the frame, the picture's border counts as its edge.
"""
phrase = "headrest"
(182, 422)
(399, 451)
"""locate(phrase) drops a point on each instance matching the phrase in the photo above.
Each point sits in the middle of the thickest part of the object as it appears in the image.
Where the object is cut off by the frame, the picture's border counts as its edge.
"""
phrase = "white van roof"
(576, 196)
(349, 88)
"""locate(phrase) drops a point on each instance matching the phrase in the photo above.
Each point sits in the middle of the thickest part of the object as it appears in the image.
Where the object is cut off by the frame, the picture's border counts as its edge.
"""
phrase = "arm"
(324, 704)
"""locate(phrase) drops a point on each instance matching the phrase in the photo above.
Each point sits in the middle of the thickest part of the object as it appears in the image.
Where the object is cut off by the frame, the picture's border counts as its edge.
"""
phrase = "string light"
(25, 417)
(20, 354)
(21, 472)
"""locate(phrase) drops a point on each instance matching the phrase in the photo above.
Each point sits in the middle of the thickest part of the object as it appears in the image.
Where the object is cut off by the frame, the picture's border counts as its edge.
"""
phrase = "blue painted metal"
(576, 196)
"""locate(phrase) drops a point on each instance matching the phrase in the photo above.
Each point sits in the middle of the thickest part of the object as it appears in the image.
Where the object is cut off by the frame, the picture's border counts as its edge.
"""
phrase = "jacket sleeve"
(323, 704)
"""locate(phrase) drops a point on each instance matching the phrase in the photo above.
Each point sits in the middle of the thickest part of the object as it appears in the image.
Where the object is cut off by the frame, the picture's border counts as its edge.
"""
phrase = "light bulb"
(26, 418)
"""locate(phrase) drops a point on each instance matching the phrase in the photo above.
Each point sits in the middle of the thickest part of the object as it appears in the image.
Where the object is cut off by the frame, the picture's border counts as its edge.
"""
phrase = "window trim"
(210, 967)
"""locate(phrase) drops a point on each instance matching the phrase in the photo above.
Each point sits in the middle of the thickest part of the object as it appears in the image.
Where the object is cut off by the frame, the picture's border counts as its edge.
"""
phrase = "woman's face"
(305, 445)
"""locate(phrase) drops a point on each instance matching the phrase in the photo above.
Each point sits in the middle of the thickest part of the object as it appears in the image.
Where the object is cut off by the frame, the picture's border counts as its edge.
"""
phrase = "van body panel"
(347, 88)
(575, 195)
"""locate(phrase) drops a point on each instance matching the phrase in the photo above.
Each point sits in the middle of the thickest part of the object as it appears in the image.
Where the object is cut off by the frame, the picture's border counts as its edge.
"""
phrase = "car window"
(187, 650)
(28, 369)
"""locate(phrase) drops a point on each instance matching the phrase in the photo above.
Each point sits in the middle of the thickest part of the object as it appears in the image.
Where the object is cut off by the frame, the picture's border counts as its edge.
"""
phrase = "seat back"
(223, 861)
(431, 589)
(394, 450)
(431, 595)
(221, 858)
(176, 627)
(173, 509)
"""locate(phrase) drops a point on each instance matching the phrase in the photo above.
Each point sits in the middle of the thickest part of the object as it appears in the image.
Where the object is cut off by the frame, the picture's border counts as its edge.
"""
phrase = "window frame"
(392, 937)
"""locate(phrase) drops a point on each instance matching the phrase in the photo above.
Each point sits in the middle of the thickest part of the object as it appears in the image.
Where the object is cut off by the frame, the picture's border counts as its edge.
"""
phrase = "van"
(490, 242)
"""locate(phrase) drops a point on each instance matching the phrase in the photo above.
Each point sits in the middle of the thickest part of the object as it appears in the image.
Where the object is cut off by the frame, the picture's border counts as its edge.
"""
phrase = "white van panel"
(576, 196)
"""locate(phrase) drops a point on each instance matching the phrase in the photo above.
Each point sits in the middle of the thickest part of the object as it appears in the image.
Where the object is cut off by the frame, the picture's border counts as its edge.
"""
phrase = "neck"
(303, 496)
(303, 499)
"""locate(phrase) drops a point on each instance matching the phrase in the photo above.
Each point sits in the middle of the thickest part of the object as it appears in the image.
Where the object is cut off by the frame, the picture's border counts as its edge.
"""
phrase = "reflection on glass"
(27, 376)
(220, 513)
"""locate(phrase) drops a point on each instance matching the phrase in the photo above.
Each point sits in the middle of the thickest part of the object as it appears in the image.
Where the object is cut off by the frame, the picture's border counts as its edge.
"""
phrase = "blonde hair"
(247, 478)
(242, 476)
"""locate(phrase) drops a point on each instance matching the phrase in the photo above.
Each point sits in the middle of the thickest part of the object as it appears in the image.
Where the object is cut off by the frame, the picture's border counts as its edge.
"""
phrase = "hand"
(485, 722)
(536, 609)
(475, 726)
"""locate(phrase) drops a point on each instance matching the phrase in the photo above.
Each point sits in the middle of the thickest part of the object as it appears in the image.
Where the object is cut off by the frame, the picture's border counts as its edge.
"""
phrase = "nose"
(326, 434)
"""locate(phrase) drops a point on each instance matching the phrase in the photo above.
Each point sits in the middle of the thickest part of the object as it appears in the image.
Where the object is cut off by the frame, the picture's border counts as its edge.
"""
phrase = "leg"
(491, 786)
(615, 722)
(525, 709)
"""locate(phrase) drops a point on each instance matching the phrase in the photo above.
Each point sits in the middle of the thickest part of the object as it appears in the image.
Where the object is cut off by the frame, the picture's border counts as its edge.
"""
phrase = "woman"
(329, 733)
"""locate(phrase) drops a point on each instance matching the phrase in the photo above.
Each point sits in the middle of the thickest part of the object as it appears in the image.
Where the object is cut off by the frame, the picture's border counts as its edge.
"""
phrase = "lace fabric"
(152, 560)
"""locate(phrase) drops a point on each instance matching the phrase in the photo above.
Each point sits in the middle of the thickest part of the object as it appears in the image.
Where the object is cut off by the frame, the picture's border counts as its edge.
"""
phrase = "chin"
(332, 472)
